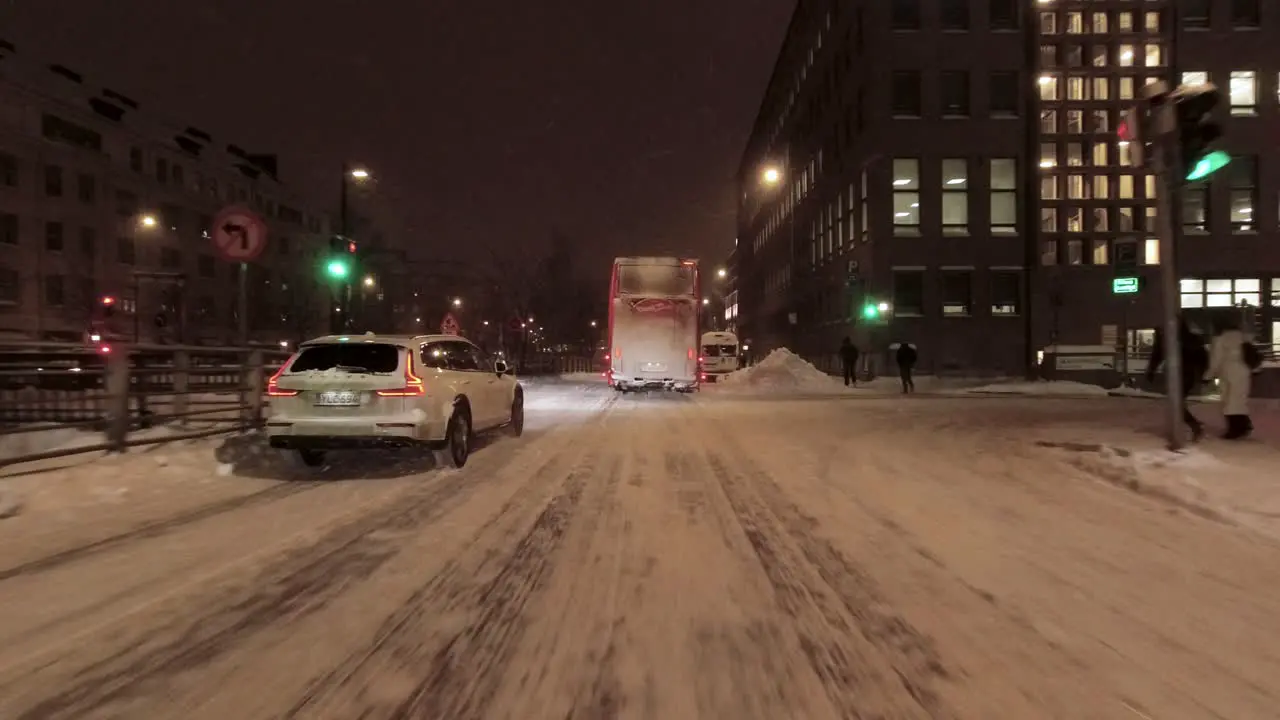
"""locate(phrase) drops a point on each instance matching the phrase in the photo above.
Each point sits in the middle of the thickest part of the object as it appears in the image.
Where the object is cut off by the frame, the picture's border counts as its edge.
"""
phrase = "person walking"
(1227, 363)
(849, 362)
(1195, 362)
(906, 357)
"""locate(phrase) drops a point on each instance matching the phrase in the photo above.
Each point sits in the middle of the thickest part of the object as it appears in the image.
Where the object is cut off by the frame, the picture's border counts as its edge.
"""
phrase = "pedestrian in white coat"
(1227, 364)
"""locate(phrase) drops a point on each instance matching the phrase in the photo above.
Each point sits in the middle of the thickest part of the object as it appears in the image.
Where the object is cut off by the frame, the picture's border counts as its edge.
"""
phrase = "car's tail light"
(413, 385)
(273, 389)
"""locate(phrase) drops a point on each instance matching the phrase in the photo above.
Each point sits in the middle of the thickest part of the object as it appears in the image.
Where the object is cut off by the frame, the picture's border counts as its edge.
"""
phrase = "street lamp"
(360, 174)
(771, 176)
(368, 281)
(457, 302)
(593, 323)
(148, 221)
(722, 273)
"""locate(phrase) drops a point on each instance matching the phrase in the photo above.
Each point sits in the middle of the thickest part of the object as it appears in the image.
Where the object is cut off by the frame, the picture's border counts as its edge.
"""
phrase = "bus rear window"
(661, 280)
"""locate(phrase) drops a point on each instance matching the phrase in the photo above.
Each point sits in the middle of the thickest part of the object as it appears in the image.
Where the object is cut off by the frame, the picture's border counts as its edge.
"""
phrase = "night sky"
(619, 123)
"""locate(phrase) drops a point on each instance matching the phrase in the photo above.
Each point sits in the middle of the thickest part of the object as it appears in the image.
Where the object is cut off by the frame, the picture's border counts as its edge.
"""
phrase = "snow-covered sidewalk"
(1236, 482)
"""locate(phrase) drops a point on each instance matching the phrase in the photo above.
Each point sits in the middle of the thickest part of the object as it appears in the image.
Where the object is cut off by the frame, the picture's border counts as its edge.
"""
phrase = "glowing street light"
(771, 176)
(593, 323)
(457, 302)
(721, 273)
(368, 281)
(360, 174)
(149, 221)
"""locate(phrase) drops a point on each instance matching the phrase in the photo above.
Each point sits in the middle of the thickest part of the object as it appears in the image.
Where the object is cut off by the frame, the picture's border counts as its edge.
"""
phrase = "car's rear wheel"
(457, 447)
(311, 458)
(516, 426)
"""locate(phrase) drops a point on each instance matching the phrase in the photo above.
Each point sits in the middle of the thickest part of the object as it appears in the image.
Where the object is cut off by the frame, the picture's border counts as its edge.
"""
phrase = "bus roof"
(640, 260)
(719, 335)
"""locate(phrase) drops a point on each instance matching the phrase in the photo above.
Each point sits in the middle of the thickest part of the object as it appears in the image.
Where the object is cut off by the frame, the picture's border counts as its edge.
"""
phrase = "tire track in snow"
(409, 670)
(156, 528)
(871, 663)
(302, 583)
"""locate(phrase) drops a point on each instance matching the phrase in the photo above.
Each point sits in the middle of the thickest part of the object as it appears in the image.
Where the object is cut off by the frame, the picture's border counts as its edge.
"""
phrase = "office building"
(100, 197)
(957, 163)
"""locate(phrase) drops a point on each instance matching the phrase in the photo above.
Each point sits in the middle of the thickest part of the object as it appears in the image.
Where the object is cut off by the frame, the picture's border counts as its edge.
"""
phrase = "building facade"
(100, 199)
(957, 162)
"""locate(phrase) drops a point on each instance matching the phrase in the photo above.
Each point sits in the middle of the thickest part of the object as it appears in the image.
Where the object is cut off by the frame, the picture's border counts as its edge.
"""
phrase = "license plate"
(338, 398)
(655, 367)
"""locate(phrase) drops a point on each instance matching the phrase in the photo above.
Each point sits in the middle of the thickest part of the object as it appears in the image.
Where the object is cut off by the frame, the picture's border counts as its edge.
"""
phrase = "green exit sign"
(1124, 285)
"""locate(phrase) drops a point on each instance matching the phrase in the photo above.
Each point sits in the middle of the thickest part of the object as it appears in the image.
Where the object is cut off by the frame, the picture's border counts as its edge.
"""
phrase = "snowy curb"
(1125, 468)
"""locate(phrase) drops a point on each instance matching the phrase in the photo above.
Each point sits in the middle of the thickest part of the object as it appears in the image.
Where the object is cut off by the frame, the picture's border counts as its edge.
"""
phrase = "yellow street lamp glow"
(368, 281)
(360, 174)
(722, 272)
(457, 302)
(771, 176)
(149, 221)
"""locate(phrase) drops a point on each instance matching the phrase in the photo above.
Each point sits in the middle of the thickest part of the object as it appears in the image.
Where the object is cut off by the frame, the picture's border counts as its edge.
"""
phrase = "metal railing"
(118, 390)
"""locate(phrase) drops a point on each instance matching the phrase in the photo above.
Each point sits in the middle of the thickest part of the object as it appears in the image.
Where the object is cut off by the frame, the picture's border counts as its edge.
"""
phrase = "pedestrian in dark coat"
(1195, 362)
(849, 362)
(906, 357)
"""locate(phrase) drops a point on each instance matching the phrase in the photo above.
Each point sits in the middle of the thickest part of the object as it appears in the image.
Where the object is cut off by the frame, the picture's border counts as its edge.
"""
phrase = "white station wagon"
(378, 391)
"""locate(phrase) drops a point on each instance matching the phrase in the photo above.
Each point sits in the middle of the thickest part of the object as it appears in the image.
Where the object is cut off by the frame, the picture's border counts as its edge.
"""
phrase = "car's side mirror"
(500, 367)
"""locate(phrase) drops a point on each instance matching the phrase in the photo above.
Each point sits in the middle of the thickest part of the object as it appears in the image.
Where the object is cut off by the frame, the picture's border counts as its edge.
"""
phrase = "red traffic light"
(108, 300)
(1124, 131)
(351, 247)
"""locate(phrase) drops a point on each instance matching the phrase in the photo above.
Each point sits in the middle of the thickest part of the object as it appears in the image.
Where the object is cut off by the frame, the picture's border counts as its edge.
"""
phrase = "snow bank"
(1042, 388)
(782, 371)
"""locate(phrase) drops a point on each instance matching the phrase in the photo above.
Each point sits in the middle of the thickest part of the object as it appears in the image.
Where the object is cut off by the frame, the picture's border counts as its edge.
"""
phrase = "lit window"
(1049, 219)
(1048, 23)
(1004, 196)
(1195, 77)
(1151, 21)
(1101, 88)
(1076, 187)
(1101, 121)
(1124, 21)
(906, 196)
(1149, 186)
(1195, 209)
(1075, 122)
(1244, 92)
(1151, 252)
(1243, 175)
(1048, 155)
(1075, 23)
(1101, 220)
(1100, 23)
(1049, 121)
(1100, 255)
(1100, 155)
(955, 197)
(1126, 219)
(1100, 55)
(1049, 188)
(1075, 220)
(1048, 87)
(1075, 154)
(1126, 187)
(1101, 187)
(1124, 154)
(1076, 88)
(1153, 55)
(1125, 57)
(1125, 88)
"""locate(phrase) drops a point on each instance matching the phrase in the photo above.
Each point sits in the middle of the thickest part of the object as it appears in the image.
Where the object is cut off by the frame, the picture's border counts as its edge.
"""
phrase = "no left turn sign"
(239, 235)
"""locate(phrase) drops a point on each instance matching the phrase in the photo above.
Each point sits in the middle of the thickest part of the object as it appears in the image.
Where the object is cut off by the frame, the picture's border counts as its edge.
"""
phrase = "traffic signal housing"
(107, 305)
(1198, 132)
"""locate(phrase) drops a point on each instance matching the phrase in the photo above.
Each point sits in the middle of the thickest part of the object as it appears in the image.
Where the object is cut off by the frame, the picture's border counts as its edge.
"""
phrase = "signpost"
(240, 236)
(1125, 285)
(449, 326)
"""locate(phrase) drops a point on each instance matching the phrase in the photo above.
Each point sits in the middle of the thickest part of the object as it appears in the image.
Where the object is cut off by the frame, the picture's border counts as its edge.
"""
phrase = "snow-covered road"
(661, 557)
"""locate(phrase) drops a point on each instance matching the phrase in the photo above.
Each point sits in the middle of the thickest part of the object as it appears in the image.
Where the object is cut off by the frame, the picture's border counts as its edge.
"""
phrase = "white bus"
(720, 354)
(653, 324)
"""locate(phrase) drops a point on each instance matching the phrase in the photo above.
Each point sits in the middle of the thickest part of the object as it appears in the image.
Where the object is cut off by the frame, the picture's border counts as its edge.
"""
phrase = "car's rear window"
(355, 357)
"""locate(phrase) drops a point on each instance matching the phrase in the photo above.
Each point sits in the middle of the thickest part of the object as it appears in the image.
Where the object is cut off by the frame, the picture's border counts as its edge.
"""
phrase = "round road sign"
(239, 235)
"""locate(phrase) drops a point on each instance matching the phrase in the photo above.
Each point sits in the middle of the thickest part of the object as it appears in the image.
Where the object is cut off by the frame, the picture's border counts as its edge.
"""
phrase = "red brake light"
(413, 386)
(104, 349)
(272, 390)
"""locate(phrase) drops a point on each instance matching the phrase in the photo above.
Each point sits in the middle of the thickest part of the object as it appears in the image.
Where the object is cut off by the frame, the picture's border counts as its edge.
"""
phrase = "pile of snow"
(1041, 388)
(782, 371)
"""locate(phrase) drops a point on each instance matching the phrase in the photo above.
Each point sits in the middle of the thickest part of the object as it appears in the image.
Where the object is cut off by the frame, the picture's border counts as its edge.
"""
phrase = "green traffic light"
(870, 312)
(337, 269)
(1209, 164)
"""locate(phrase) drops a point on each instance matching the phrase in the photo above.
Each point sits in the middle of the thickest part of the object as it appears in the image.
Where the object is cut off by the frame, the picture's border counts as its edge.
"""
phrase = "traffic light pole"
(1163, 127)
